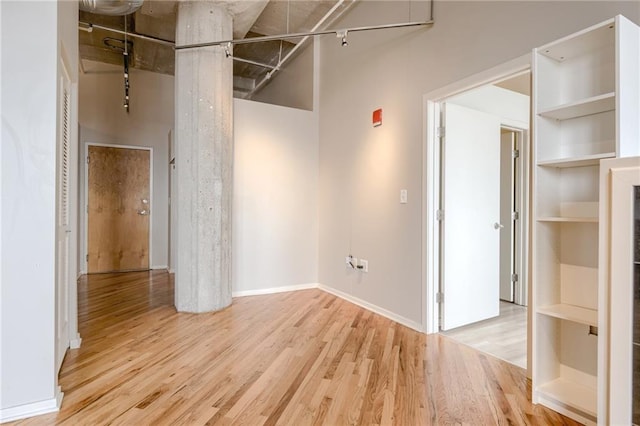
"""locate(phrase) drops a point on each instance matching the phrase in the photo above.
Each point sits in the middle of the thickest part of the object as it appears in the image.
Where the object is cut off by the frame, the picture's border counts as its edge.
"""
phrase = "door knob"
(498, 225)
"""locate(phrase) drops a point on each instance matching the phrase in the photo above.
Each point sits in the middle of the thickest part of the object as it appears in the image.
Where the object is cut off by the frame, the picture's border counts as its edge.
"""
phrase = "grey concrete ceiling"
(252, 18)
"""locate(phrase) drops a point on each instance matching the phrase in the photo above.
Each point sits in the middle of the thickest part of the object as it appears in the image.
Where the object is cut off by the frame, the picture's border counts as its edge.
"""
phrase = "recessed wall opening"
(481, 145)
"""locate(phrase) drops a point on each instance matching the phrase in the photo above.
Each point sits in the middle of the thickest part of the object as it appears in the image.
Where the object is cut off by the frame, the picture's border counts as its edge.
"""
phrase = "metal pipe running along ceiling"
(85, 26)
(301, 35)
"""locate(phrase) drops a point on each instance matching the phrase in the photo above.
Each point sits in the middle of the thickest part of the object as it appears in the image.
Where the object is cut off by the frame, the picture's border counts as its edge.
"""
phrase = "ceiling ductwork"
(110, 7)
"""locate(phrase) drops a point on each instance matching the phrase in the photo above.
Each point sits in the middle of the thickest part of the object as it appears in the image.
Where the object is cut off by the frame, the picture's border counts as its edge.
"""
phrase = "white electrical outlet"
(403, 196)
(363, 265)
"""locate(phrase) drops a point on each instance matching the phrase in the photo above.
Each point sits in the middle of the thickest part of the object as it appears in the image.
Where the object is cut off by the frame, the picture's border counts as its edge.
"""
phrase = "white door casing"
(471, 201)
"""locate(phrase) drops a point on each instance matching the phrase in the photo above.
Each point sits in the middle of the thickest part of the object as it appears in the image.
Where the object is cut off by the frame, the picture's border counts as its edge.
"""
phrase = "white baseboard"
(349, 298)
(274, 290)
(160, 267)
(75, 342)
(373, 308)
(33, 409)
(172, 271)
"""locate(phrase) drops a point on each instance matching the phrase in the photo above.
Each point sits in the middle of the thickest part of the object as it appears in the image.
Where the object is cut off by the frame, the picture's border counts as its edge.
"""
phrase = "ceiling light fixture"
(343, 36)
(227, 50)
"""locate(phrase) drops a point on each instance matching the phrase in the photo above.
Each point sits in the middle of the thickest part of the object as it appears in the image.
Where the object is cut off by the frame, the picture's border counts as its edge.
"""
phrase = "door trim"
(431, 182)
(520, 293)
(85, 212)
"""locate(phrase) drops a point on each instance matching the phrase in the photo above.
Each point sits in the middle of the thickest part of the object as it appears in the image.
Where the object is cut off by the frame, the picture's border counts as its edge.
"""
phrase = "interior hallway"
(303, 357)
(504, 336)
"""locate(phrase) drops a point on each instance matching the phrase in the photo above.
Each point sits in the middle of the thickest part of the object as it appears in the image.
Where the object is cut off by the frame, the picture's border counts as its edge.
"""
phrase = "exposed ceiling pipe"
(344, 32)
(339, 33)
(86, 26)
(110, 7)
(321, 22)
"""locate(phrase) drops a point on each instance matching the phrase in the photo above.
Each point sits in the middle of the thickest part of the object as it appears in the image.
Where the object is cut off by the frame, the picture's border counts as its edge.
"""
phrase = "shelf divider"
(570, 393)
(568, 219)
(585, 160)
(589, 106)
(571, 313)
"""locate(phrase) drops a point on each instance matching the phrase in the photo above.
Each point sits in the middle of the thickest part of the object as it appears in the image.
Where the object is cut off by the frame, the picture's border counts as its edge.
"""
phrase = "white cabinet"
(586, 94)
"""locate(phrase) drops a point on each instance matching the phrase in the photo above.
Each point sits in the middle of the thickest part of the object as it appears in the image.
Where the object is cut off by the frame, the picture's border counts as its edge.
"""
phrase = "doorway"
(511, 289)
(118, 208)
(480, 195)
(477, 144)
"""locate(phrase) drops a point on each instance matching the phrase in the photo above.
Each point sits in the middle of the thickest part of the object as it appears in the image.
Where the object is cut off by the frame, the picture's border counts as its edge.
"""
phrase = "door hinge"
(440, 131)
(514, 278)
(87, 159)
(87, 208)
(440, 215)
(515, 153)
(515, 216)
(87, 257)
(439, 297)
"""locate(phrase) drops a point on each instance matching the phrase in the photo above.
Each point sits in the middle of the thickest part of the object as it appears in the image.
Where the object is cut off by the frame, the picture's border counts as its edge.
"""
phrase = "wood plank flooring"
(504, 336)
(298, 358)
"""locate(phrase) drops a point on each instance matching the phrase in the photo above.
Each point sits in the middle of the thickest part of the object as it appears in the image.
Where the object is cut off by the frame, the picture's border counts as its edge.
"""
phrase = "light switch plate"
(403, 196)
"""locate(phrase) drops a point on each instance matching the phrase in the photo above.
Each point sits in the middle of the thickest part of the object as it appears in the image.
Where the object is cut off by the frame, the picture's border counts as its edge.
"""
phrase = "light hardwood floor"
(299, 358)
(504, 336)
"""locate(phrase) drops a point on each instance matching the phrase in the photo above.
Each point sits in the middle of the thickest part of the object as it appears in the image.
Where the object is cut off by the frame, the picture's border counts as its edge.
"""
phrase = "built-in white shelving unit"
(581, 107)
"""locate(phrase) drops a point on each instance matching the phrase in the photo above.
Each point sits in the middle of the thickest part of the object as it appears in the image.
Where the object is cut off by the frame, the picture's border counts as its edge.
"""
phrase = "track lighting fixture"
(343, 36)
(227, 50)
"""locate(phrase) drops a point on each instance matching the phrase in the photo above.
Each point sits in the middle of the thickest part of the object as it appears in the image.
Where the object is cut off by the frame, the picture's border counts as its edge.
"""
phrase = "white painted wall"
(28, 380)
(362, 169)
(103, 120)
(275, 217)
(275, 202)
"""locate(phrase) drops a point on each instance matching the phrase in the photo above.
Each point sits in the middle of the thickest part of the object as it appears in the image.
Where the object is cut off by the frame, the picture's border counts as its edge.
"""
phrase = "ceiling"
(251, 18)
(520, 84)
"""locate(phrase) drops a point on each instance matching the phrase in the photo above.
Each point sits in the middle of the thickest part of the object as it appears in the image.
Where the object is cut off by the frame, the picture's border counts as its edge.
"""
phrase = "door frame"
(85, 243)
(520, 296)
(431, 202)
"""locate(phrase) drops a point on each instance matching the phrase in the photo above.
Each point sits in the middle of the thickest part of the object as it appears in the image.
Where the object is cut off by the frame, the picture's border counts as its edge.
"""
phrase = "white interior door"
(63, 231)
(471, 204)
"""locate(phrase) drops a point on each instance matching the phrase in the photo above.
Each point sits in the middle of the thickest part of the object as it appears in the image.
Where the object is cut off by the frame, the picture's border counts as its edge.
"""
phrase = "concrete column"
(204, 158)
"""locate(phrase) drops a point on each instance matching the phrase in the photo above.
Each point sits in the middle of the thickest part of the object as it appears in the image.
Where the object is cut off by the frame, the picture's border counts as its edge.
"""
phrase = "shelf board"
(585, 160)
(571, 313)
(568, 219)
(593, 105)
(570, 393)
(586, 41)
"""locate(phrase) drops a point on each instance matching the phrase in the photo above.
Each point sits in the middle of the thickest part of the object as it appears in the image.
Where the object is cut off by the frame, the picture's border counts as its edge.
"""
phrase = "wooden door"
(118, 209)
